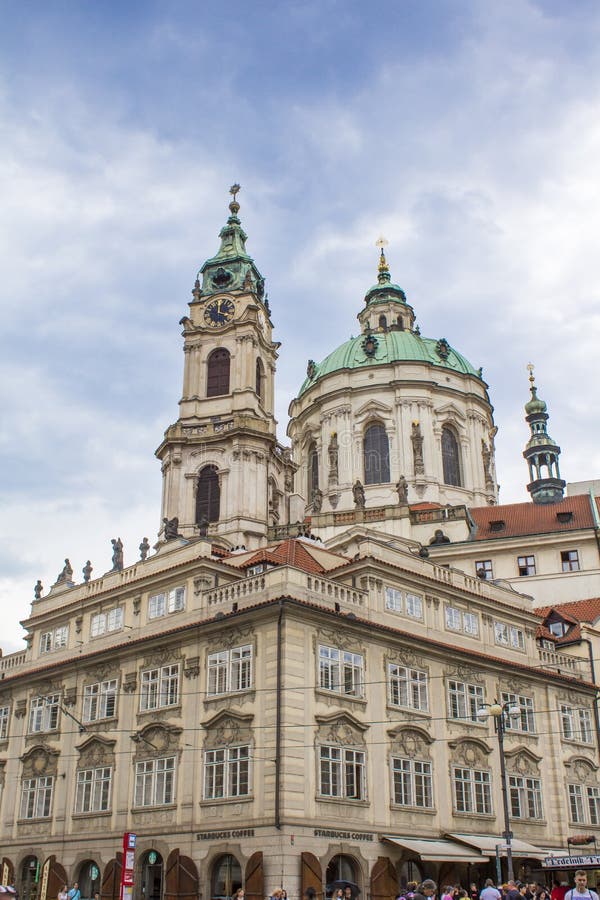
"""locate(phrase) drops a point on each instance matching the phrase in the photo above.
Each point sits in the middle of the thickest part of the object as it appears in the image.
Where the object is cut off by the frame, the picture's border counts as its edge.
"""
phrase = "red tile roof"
(293, 552)
(532, 518)
(574, 610)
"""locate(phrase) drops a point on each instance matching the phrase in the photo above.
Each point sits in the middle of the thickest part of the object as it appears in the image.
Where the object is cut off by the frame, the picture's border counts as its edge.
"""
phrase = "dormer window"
(558, 628)
(497, 525)
(564, 517)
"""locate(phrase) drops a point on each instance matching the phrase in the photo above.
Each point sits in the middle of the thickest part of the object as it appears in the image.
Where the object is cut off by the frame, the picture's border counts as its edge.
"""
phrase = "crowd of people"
(510, 890)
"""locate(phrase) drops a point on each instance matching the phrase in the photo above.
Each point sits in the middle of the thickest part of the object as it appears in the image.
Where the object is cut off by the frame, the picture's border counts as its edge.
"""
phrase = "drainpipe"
(585, 640)
(278, 720)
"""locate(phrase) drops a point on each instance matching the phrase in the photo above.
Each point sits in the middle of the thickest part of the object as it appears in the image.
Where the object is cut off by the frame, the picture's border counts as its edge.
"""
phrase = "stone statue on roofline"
(171, 528)
(358, 494)
(66, 576)
(117, 557)
(402, 488)
(144, 549)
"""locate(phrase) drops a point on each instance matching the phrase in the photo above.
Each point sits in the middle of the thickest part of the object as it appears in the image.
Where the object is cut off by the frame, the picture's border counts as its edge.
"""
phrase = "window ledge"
(577, 743)
(247, 693)
(167, 710)
(105, 813)
(473, 815)
(33, 820)
(529, 821)
(338, 695)
(341, 800)
(221, 801)
(156, 808)
(422, 713)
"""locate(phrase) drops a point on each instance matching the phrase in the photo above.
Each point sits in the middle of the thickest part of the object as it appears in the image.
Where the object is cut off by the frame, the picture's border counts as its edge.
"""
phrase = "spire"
(383, 270)
(541, 452)
(231, 268)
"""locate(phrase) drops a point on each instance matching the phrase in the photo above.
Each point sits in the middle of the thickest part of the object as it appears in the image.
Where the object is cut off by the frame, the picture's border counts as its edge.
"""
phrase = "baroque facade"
(289, 689)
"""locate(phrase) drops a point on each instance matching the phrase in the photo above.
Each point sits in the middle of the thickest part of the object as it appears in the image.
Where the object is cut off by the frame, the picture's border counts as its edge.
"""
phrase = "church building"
(302, 682)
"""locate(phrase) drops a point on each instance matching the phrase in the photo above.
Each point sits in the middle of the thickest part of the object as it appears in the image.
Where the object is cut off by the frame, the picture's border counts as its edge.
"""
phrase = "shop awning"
(433, 850)
(487, 844)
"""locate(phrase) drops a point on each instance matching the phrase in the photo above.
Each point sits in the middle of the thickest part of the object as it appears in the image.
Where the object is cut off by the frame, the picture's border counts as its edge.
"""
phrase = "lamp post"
(501, 713)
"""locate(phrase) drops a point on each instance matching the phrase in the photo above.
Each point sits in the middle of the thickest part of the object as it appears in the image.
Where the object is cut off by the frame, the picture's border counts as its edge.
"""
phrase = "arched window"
(208, 495)
(383, 323)
(400, 323)
(377, 454)
(340, 868)
(217, 377)
(313, 470)
(260, 379)
(226, 877)
(450, 457)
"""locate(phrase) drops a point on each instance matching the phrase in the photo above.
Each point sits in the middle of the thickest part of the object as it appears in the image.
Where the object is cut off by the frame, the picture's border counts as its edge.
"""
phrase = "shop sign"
(344, 835)
(224, 835)
(570, 862)
(127, 873)
(94, 872)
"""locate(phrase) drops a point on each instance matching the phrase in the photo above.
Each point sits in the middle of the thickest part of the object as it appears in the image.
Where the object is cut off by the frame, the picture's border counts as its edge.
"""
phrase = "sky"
(468, 133)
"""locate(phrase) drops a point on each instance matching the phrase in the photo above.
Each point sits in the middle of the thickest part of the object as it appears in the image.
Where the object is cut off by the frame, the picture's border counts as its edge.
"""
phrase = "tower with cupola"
(224, 474)
(541, 451)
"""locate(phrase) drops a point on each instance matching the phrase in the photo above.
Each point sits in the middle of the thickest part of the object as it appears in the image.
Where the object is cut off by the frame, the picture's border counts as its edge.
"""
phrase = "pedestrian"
(74, 893)
(277, 894)
(581, 890)
(309, 894)
(239, 894)
(490, 892)
(473, 892)
(512, 892)
(63, 893)
(426, 890)
(448, 892)
(559, 889)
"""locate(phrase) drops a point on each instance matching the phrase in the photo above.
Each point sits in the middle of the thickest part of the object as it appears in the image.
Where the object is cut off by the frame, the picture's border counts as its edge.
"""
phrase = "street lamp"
(502, 713)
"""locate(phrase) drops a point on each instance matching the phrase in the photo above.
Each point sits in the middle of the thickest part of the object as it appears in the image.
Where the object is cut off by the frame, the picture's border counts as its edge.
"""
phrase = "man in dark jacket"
(426, 890)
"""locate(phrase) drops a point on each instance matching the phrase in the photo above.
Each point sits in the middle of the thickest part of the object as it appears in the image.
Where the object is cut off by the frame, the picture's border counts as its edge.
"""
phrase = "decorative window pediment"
(450, 414)
(156, 740)
(521, 761)
(372, 409)
(464, 673)
(340, 728)
(96, 751)
(410, 741)
(470, 752)
(227, 728)
(40, 760)
(582, 769)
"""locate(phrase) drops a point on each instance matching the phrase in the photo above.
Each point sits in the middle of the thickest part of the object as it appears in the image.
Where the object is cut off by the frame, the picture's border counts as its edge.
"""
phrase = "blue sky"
(467, 132)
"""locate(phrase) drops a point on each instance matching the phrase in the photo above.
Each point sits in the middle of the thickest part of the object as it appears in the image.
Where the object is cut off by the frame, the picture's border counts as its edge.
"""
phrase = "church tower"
(224, 474)
(541, 452)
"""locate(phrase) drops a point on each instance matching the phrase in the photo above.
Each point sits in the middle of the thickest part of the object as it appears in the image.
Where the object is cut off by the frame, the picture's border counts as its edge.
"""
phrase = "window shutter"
(181, 877)
(255, 877)
(111, 879)
(384, 879)
(311, 874)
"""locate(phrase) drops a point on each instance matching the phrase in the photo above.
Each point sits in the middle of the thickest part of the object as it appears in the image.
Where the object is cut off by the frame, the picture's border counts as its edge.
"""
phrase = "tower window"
(208, 495)
(260, 379)
(313, 470)
(400, 323)
(217, 379)
(450, 457)
(376, 454)
(383, 323)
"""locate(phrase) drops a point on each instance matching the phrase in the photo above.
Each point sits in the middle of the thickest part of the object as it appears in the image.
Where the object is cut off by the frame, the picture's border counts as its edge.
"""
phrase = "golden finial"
(381, 242)
(530, 368)
(234, 206)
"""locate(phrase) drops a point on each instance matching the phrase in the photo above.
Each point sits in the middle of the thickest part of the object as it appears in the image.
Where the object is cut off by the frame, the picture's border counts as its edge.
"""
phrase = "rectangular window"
(471, 624)
(227, 773)
(4, 720)
(414, 606)
(54, 640)
(342, 773)
(36, 797)
(509, 636)
(464, 700)
(255, 570)
(230, 670)
(155, 782)
(576, 724)
(43, 713)
(341, 671)
(526, 565)
(166, 602)
(412, 783)
(569, 560)
(576, 807)
(103, 622)
(525, 797)
(472, 791)
(525, 720)
(393, 599)
(159, 688)
(453, 619)
(593, 798)
(407, 687)
(484, 569)
(100, 700)
(93, 790)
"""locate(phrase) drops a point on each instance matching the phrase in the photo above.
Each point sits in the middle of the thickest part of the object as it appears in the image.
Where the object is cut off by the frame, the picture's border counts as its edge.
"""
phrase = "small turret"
(541, 452)
(386, 308)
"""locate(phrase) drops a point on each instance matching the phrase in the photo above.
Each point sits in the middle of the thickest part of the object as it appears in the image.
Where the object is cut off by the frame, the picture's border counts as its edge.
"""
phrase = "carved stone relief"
(225, 729)
(469, 753)
(340, 729)
(40, 760)
(232, 637)
(96, 752)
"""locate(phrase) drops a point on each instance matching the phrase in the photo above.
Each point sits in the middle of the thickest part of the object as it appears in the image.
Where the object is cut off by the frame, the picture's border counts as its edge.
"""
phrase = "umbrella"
(336, 885)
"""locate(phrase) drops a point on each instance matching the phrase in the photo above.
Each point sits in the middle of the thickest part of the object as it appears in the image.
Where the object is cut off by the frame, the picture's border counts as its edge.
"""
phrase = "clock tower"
(224, 473)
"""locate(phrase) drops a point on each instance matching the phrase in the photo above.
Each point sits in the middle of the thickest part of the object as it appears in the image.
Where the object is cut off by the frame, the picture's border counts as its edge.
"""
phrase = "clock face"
(218, 313)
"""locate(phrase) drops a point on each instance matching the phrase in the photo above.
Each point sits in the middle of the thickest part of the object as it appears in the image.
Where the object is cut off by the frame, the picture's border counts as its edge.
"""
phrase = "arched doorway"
(226, 877)
(89, 879)
(151, 866)
(340, 868)
(30, 874)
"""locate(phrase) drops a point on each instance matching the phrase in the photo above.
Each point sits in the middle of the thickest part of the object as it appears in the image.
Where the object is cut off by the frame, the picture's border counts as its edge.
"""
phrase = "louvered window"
(217, 382)
(208, 496)
(377, 455)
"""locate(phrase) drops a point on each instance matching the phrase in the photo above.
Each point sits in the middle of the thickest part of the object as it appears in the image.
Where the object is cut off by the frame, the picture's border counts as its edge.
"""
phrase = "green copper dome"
(386, 348)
